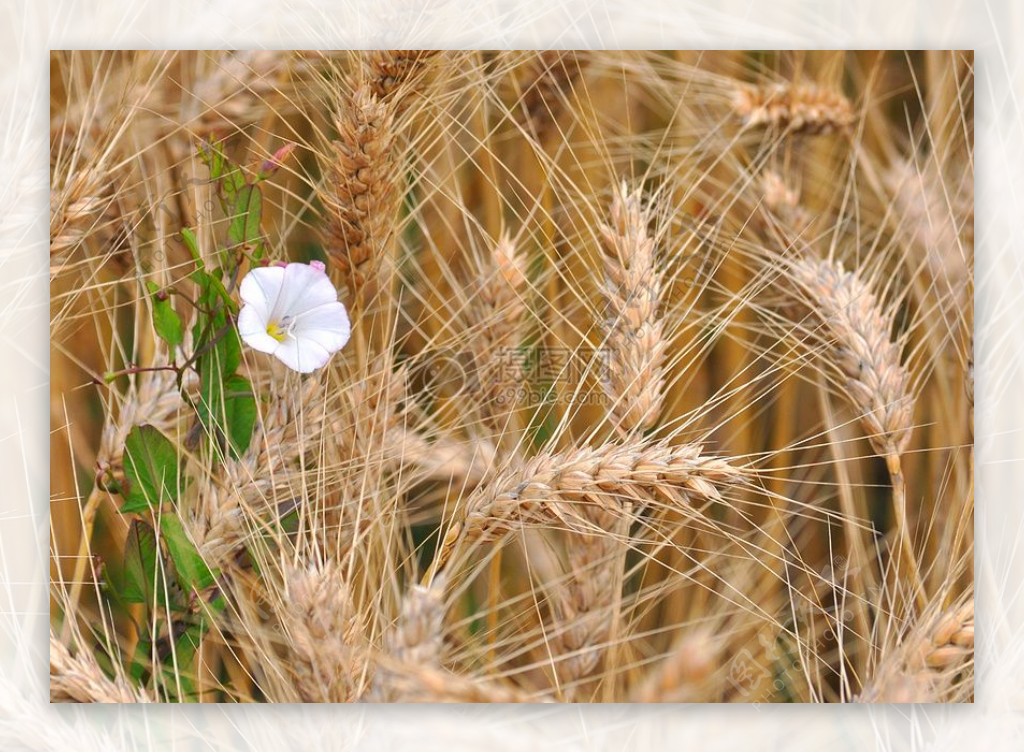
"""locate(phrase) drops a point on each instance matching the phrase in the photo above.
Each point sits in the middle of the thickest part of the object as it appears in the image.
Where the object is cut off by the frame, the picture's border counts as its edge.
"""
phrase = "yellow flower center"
(277, 332)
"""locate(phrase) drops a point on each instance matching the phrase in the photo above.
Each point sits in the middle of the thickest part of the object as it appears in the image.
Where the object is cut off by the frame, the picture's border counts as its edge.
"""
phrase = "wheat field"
(659, 385)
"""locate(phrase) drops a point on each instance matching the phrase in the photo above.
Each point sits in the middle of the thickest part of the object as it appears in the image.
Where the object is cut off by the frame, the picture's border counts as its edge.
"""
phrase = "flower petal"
(253, 329)
(300, 354)
(261, 289)
(303, 288)
(327, 324)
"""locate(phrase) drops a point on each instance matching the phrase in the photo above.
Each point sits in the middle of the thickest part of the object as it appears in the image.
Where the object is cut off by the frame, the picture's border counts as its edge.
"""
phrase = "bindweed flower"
(293, 313)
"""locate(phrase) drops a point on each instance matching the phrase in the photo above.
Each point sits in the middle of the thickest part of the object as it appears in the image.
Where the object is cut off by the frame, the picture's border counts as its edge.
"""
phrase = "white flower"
(293, 313)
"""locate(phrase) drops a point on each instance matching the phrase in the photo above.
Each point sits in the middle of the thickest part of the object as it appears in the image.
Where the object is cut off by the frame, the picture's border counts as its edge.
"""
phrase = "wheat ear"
(81, 680)
(930, 664)
(361, 193)
(796, 108)
(858, 329)
(586, 602)
(269, 473)
(413, 644)
(394, 75)
(544, 489)
(927, 215)
(593, 493)
(323, 634)
(547, 78)
(76, 208)
(783, 201)
(682, 674)
(496, 319)
(237, 91)
(634, 338)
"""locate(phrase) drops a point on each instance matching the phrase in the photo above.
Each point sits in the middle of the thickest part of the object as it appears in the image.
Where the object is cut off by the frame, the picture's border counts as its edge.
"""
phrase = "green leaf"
(188, 643)
(151, 467)
(221, 170)
(239, 413)
(245, 219)
(192, 571)
(188, 236)
(143, 582)
(215, 368)
(165, 319)
(139, 668)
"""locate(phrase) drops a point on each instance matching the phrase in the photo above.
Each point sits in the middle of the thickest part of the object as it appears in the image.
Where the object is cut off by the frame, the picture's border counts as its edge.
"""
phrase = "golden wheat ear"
(857, 330)
(935, 663)
(635, 341)
(794, 108)
(361, 194)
